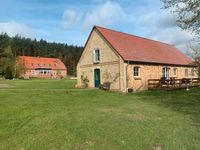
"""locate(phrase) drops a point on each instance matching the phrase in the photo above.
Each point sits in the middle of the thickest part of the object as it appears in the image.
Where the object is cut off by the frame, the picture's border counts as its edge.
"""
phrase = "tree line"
(12, 47)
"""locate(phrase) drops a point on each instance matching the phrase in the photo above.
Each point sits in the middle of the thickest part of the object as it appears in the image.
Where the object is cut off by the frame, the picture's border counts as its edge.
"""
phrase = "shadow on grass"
(182, 101)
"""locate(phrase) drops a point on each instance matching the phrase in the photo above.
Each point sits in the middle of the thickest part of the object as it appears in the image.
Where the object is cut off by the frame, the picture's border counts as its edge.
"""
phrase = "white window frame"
(165, 72)
(175, 71)
(136, 73)
(186, 72)
(192, 72)
(96, 55)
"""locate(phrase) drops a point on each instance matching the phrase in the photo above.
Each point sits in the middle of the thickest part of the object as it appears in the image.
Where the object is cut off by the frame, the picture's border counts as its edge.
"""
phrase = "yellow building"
(127, 61)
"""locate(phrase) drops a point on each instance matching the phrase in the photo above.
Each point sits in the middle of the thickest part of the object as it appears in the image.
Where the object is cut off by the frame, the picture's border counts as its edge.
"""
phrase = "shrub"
(8, 73)
(85, 81)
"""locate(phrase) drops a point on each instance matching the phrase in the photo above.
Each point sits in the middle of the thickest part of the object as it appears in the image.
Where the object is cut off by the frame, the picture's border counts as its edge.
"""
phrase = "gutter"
(127, 76)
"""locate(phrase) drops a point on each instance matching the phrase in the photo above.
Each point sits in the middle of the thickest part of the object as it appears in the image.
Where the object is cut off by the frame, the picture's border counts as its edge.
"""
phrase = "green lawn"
(51, 114)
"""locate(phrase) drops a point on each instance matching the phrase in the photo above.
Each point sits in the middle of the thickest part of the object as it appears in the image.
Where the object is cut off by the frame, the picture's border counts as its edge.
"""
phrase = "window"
(96, 55)
(38, 64)
(32, 64)
(186, 72)
(54, 65)
(175, 71)
(33, 72)
(136, 71)
(44, 65)
(49, 65)
(165, 72)
(192, 72)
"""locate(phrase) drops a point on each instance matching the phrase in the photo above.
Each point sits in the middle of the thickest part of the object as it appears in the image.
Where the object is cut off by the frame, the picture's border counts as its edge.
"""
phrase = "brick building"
(128, 61)
(41, 67)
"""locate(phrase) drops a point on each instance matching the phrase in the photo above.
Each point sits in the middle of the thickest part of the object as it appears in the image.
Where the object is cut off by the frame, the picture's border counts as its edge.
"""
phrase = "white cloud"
(167, 20)
(14, 28)
(105, 15)
(173, 35)
(163, 28)
(147, 19)
(69, 19)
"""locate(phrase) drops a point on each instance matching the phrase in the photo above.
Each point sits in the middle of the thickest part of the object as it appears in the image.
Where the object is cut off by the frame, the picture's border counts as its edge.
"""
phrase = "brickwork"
(154, 72)
(109, 64)
(113, 68)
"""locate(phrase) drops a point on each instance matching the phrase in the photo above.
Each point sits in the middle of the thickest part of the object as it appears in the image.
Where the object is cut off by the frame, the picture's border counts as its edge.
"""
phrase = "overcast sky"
(70, 21)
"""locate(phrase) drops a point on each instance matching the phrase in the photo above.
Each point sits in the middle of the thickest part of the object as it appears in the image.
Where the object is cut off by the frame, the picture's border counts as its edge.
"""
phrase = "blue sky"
(70, 21)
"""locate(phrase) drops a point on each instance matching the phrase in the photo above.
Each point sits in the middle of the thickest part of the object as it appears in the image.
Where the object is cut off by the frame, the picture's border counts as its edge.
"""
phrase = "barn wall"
(31, 73)
(154, 72)
(109, 63)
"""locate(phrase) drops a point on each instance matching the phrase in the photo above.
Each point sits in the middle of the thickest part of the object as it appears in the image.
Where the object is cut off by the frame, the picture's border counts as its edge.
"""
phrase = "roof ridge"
(146, 50)
(40, 57)
(133, 35)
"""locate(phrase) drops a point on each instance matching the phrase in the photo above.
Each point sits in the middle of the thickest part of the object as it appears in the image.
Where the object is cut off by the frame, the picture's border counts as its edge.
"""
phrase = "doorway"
(97, 77)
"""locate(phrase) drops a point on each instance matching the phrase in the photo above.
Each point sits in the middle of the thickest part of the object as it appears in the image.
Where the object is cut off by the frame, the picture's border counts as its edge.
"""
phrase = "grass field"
(51, 114)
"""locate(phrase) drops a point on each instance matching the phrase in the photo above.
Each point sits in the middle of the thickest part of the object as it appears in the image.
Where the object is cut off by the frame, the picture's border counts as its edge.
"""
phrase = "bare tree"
(194, 52)
(188, 13)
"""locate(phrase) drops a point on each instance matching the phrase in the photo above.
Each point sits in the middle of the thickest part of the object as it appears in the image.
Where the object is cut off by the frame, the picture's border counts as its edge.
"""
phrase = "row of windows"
(44, 65)
(165, 72)
(136, 69)
(40, 72)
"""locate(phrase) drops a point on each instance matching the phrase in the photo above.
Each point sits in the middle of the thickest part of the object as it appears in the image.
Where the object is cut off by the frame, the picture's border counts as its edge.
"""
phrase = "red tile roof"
(138, 49)
(42, 62)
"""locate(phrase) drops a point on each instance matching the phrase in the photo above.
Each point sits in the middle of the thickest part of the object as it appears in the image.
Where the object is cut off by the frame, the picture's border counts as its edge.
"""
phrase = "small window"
(33, 72)
(186, 72)
(136, 71)
(175, 71)
(192, 72)
(96, 55)
(49, 65)
(32, 64)
(165, 72)
(38, 64)
(44, 64)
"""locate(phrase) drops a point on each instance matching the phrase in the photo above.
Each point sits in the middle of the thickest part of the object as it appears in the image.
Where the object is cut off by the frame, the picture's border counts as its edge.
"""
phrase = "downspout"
(127, 76)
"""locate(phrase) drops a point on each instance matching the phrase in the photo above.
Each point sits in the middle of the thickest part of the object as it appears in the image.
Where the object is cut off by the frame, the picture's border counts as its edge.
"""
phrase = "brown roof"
(138, 49)
(42, 62)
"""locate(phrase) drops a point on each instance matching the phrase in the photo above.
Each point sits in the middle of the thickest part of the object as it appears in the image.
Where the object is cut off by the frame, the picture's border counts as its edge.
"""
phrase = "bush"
(8, 73)
(85, 81)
